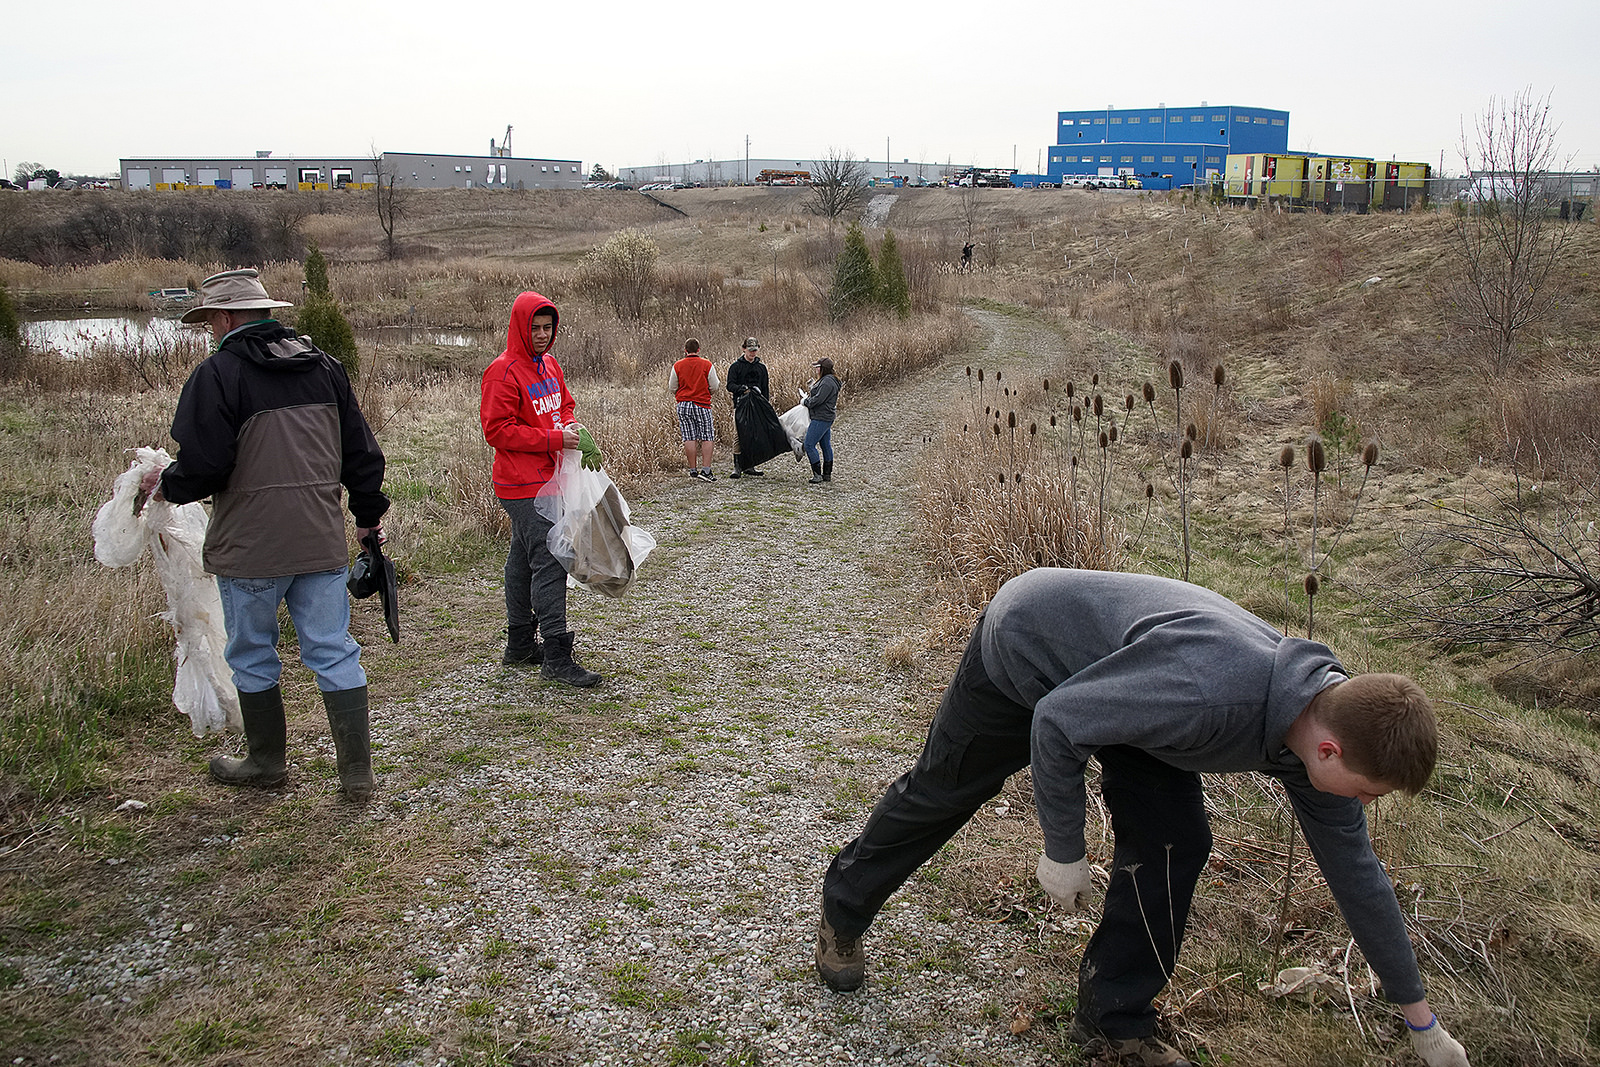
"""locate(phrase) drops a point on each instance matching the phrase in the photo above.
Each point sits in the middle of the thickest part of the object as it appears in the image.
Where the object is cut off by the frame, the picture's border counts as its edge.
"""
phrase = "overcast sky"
(625, 82)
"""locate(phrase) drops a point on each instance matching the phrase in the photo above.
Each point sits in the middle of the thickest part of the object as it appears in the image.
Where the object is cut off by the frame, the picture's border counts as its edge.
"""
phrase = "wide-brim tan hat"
(232, 290)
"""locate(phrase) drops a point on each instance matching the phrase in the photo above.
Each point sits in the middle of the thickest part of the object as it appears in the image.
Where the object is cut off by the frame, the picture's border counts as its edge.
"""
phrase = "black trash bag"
(373, 572)
(761, 436)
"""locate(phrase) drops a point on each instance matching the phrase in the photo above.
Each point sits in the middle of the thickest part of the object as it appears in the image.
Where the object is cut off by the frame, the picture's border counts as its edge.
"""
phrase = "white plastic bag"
(590, 533)
(202, 689)
(795, 422)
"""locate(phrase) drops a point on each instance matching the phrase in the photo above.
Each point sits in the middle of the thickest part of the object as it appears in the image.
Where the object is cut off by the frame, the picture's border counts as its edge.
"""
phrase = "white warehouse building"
(417, 170)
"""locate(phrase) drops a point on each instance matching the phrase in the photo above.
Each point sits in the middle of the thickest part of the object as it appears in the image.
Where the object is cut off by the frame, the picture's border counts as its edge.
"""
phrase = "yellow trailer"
(1339, 183)
(1274, 176)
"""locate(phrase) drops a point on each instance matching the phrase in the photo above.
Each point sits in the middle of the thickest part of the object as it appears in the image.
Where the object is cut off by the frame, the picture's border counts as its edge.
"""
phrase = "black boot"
(522, 646)
(559, 666)
(827, 470)
(347, 718)
(816, 474)
(736, 472)
(265, 733)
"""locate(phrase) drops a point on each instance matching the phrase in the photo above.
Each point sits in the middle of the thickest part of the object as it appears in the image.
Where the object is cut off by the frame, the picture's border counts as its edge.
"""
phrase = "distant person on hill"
(966, 256)
(527, 416)
(692, 381)
(1158, 680)
(269, 428)
(745, 374)
(821, 401)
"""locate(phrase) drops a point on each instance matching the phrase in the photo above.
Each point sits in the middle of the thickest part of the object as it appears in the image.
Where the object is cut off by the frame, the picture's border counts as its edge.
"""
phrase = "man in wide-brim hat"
(269, 428)
(232, 291)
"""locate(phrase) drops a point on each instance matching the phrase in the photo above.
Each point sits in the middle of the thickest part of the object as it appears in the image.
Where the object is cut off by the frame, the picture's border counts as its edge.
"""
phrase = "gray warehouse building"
(418, 170)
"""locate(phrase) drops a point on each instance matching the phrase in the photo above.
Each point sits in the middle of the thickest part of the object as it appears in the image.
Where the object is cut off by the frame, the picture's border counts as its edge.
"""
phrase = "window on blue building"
(1132, 121)
(1147, 159)
(1169, 159)
(1177, 118)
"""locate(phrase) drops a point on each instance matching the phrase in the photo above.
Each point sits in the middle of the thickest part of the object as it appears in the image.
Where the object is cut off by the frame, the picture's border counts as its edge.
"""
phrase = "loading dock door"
(207, 175)
(139, 179)
(243, 177)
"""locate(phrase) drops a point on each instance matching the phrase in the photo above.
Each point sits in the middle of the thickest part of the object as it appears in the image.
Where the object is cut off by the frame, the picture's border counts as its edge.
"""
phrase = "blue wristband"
(1433, 1020)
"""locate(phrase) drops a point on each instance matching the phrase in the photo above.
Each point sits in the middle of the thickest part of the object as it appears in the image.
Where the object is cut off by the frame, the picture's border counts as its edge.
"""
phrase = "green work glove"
(592, 459)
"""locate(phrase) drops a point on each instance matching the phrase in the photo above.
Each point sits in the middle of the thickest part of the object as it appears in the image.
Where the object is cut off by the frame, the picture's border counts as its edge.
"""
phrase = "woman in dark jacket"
(821, 401)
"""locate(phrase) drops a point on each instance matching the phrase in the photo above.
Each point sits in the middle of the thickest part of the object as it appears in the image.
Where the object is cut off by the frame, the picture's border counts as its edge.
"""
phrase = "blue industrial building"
(1162, 146)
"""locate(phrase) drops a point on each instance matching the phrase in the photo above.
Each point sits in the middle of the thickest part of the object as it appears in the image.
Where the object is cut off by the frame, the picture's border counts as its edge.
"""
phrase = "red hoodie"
(525, 405)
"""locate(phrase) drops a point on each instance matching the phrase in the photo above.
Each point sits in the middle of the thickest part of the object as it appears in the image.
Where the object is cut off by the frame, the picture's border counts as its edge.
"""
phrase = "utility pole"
(746, 159)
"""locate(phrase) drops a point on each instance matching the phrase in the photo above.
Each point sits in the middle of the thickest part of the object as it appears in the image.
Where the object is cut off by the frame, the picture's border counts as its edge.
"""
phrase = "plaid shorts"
(694, 422)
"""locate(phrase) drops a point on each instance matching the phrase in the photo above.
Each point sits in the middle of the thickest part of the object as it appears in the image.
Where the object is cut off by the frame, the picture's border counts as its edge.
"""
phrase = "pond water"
(80, 336)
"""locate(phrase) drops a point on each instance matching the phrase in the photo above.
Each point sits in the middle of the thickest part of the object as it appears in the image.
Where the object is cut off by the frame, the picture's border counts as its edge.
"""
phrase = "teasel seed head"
(1074, 462)
(997, 429)
(1113, 432)
(1369, 455)
(1047, 385)
(1002, 476)
(1175, 374)
(1070, 388)
(1187, 450)
(1130, 402)
(1011, 419)
(1192, 432)
(1052, 419)
(1033, 428)
(969, 372)
(980, 375)
(997, 376)
(1218, 376)
(1105, 440)
(1286, 457)
(1077, 413)
(1149, 393)
(1094, 379)
(1312, 585)
(1099, 405)
(1316, 455)
(1149, 490)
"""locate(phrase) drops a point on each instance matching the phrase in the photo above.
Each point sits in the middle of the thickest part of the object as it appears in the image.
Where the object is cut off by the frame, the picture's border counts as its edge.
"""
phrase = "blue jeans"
(819, 433)
(320, 608)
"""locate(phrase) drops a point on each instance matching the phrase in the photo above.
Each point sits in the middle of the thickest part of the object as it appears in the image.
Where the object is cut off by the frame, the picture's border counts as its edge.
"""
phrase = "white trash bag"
(203, 688)
(591, 533)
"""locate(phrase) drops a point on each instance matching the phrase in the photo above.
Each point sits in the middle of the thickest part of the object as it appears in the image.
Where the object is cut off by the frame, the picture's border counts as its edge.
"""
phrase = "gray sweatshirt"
(1198, 682)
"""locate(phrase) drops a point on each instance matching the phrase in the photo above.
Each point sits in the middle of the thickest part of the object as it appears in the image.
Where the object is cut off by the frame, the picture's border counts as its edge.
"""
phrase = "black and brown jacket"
(269, 429)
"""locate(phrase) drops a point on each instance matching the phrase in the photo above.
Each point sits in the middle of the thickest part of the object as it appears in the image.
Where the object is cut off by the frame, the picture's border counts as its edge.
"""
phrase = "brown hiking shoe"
(1131, 1052)
(840, 961)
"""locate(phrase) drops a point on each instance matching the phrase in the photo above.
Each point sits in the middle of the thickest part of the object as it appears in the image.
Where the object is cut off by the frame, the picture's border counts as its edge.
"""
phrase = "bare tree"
(390, 197)
(1509, 245)
(838, 186)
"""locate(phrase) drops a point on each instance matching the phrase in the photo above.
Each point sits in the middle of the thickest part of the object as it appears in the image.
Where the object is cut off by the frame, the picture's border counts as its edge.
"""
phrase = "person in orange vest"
(692, 382)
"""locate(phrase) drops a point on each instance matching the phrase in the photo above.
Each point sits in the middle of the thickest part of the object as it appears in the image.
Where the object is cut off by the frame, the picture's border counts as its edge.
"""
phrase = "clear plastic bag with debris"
(124, 527)
(591, 532)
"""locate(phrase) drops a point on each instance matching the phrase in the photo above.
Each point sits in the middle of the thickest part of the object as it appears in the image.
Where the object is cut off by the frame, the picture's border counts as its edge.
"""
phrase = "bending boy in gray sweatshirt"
(1159, 680)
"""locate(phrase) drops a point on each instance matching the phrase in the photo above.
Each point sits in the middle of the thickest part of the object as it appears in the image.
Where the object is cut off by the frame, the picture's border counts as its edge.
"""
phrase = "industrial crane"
(505, 145)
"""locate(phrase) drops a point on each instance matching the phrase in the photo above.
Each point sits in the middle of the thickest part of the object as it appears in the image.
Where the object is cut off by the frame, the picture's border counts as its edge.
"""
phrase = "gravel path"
(649, 888)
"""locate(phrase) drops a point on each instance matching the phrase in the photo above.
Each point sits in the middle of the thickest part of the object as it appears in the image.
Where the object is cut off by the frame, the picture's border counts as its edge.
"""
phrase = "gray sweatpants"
(536, 583)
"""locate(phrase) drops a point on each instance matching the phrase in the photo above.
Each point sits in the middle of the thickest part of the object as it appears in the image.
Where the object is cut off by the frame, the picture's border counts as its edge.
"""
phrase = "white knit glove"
(1069, 884)
(1435, 1047)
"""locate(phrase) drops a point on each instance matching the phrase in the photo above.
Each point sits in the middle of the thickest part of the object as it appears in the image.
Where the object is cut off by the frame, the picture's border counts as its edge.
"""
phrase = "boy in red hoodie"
(527, 418)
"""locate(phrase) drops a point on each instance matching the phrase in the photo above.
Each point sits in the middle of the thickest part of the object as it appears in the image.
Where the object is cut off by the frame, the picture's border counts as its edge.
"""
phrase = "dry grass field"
(444, 926)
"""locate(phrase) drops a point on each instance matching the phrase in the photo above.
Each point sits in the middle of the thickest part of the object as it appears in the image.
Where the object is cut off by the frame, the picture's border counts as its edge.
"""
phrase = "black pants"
(978, 739)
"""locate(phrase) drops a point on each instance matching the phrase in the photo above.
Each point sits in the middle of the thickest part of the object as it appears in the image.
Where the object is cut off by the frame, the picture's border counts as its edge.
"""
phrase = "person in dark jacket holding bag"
(745, 374)
(821, 401)
(527, 417)
(269, 429)
(1158, 681)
